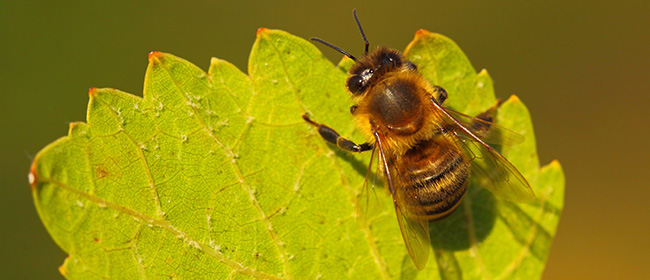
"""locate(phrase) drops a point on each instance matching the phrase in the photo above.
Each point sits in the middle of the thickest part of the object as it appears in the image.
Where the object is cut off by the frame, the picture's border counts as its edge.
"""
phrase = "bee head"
(373, 66)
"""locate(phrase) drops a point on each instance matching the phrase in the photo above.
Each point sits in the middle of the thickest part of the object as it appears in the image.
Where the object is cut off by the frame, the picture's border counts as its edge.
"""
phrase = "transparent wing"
(496, 173)
(414, 231)
(483, 127)
(416, 237)
(368, 199)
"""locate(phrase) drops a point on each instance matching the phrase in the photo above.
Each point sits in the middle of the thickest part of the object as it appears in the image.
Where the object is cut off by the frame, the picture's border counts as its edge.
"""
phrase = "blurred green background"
(583, 69)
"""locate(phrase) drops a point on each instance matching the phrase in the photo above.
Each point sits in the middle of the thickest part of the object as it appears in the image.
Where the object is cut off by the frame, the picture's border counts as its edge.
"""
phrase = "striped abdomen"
(434, 177)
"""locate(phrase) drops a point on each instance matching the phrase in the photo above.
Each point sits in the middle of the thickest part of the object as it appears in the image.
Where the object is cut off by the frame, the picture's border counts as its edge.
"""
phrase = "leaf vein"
(529, 241)
(473, 241)
(372, 243)
(164, 224)
(246, 187)
(141, 158)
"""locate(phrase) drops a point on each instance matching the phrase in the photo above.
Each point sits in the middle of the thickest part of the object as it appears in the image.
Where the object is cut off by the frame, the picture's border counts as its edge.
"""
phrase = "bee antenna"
(363, 35)
(333, 47)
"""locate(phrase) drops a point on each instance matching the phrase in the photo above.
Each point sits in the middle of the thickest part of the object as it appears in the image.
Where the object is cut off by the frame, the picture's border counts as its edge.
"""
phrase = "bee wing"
(497, 174)
(414, 231)
(365, 205)
(416, 237)
(484, 128)
(500, 176)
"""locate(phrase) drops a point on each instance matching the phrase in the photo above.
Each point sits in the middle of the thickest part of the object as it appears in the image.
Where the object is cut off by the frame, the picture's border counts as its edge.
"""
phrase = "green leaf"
(215, 175)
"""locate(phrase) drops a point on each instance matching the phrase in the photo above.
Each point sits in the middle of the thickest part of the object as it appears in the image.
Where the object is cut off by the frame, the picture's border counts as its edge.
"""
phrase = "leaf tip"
(420, 36)
(261, 31)
(422, 33)
(32, 177)
(513, 99)
(92, 92)
(155, 55)
(555, 164)
(62, 268)
(74, 127)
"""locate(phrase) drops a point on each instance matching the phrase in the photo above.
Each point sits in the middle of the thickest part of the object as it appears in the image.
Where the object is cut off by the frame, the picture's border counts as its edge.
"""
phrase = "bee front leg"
(330, 135)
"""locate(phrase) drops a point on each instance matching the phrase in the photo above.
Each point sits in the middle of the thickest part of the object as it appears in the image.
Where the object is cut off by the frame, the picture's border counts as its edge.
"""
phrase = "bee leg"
(330, 135)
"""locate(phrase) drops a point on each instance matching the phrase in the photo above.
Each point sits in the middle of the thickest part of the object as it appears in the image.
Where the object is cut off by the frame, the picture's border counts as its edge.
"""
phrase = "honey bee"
(426, 152)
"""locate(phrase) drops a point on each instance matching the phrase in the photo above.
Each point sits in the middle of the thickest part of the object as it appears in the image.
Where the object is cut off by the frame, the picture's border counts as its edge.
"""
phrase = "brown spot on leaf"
(101, 171)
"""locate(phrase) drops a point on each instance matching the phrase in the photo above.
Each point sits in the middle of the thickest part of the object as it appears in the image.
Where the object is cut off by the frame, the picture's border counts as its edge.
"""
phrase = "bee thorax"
(398, 107)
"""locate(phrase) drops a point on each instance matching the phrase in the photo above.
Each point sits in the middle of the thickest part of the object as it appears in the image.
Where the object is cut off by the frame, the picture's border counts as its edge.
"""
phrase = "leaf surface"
(214, 175)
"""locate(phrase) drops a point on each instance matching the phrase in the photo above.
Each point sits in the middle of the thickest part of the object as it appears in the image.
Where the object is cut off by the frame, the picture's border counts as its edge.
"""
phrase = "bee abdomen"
(436, 183)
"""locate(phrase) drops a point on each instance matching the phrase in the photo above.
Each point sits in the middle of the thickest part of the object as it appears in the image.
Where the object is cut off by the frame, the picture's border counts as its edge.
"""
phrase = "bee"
(426, 152)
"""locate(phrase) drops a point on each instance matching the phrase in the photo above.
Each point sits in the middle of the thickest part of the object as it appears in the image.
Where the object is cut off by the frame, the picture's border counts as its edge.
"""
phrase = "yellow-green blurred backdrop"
(583, 69)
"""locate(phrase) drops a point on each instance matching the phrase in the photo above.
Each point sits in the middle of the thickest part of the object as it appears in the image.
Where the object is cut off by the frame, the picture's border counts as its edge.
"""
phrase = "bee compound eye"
(355, 84)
